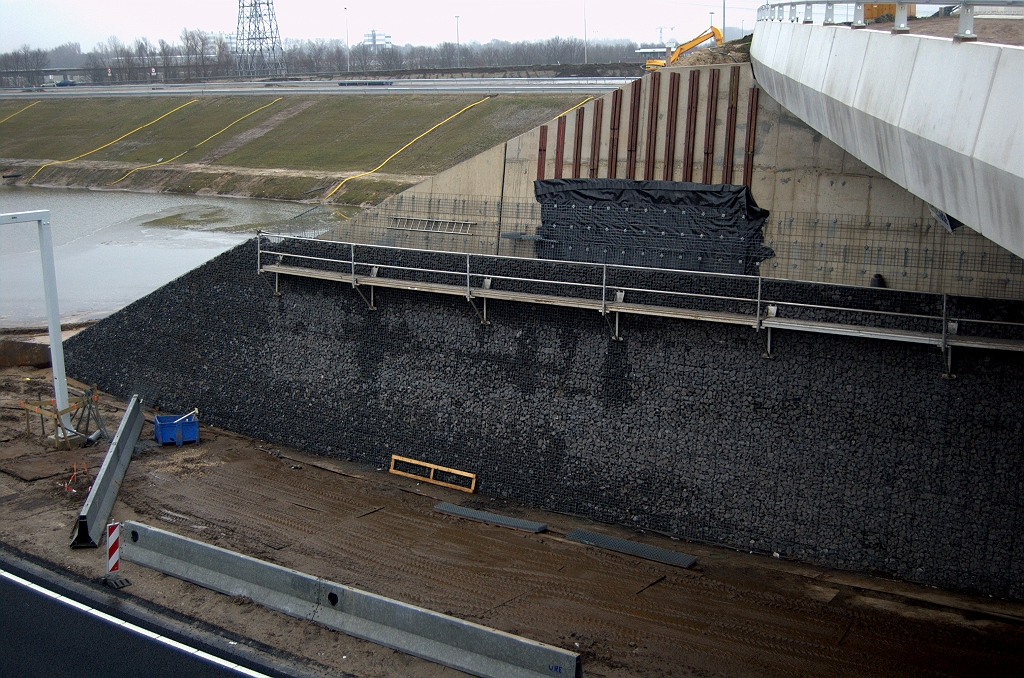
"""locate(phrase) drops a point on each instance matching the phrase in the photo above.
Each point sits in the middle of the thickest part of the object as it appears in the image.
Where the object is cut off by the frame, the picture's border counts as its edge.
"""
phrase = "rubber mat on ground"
(632, 548)
(492, 518)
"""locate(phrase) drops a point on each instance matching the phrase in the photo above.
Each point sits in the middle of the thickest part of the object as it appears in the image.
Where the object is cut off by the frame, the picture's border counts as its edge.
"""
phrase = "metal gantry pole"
(60, 382)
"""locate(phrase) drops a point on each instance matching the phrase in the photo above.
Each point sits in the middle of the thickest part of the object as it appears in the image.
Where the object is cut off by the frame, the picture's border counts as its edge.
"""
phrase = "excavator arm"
(711, 32)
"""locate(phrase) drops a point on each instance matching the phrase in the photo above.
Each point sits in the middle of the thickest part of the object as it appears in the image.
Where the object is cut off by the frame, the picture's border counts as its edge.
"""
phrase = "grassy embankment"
(312, 148)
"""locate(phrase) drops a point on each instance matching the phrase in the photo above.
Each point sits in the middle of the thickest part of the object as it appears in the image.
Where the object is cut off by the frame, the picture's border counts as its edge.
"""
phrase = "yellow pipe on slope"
(573, 108)
(356, 176)
(157, 164)
(14, 114)
(57, 162)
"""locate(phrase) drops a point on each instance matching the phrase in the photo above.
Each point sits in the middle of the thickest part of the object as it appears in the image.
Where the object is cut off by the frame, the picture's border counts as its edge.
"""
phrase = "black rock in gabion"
(846, 452)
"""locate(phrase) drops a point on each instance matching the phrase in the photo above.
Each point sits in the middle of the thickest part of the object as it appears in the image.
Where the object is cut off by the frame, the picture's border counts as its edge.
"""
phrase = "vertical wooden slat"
(652, 125)
(613, 134)
(670, 127)
(730, 124)
(595, 138)
(634, 128)
(691, 125)
(577, 144)
(748, 155)
(542, 152)
(709, 126)
(560, 147)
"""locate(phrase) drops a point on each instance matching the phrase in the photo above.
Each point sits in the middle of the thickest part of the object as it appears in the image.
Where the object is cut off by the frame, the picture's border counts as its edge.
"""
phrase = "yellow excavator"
(655, 64)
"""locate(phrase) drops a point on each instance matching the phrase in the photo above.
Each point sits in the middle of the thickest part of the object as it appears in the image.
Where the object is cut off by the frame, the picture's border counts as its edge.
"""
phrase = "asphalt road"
(420, 86)
(45, 637)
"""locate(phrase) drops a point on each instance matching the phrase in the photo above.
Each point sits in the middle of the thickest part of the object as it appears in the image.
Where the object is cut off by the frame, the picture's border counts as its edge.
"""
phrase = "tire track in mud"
(365, 533)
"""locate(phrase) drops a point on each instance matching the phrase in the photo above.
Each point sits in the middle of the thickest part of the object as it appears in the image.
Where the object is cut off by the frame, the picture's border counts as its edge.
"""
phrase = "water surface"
(111, 248)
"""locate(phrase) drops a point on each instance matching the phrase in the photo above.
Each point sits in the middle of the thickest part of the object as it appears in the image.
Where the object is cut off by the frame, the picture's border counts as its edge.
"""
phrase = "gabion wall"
(849, 453)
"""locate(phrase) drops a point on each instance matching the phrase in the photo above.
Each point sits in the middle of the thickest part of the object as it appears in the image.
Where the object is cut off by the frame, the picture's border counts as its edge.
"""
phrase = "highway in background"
(395, 86)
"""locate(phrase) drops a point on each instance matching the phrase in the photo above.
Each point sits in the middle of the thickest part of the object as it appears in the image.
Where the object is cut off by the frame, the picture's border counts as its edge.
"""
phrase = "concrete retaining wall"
(834, 218)
(845, 452)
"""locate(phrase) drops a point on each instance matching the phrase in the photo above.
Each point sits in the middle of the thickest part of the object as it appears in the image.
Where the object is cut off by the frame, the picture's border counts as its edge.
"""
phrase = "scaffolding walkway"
(761, 303)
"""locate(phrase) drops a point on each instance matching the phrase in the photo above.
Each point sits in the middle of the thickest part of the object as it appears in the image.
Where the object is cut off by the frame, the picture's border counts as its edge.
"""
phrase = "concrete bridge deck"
(942, 118)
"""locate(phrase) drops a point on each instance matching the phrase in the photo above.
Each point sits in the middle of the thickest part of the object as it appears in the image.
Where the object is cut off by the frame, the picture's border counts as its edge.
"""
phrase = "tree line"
(200, 55)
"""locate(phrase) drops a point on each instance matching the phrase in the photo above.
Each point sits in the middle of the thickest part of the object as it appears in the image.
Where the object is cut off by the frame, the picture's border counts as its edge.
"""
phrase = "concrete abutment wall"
(845, 452)
(834, 218)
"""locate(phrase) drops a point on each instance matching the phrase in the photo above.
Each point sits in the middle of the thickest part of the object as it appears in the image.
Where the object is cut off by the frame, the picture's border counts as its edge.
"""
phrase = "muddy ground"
(732, 614)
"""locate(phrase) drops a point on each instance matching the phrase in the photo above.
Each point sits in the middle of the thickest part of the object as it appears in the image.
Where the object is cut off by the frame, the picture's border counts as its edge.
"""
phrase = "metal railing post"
(792, 13)
(759, 301)
(259, 250)
(352, 259)
(468, 294)
(604, 289)
(858, 15)
(830, 14)
(945, 323)
(965, 29)
(808, 13)
(900, 23)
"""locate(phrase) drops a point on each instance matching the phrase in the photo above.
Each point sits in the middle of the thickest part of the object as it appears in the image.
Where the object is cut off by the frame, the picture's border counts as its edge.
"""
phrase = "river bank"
(294, 185)
(296, 147)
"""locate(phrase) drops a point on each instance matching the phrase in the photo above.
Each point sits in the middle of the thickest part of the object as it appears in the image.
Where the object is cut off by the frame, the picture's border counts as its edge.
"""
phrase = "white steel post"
(900, 24)
(858, 15)
(830, 14)
(60, 382)
(808, 13)
(965, 29)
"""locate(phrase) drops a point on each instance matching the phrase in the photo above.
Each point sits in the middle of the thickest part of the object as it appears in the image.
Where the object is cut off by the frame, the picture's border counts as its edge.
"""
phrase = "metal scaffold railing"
(761, 303)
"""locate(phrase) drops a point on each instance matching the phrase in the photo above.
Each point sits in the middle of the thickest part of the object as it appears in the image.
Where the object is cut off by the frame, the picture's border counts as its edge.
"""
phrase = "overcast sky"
(48, 23)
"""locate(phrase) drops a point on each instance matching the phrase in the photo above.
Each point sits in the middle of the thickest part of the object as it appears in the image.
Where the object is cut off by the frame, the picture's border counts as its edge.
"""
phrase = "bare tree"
(391, 59)
(362, 57)
(190, 53)
(316, 56)
(168, 56)
(68, 55)
(224, 59)
(447, 53)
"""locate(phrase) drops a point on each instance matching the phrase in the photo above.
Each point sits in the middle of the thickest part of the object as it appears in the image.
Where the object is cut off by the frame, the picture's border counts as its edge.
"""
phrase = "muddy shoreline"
(298, 186)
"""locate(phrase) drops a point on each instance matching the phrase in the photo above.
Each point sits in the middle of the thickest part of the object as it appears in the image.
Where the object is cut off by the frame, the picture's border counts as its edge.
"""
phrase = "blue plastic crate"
(165, 430)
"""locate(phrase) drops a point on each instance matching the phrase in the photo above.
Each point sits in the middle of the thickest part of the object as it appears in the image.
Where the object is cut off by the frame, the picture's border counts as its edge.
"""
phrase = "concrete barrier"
(96, 509)
(462, 645)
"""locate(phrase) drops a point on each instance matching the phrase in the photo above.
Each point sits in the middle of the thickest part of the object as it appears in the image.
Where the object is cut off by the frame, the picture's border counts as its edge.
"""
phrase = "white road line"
(127, 626)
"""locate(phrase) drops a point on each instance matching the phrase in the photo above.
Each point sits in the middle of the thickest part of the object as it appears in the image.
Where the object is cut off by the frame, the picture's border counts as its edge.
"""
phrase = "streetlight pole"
(348, 45)
(458, 44)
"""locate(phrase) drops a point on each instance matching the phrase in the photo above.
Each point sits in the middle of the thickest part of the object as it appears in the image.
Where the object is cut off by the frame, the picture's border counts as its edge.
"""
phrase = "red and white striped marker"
(113, 547)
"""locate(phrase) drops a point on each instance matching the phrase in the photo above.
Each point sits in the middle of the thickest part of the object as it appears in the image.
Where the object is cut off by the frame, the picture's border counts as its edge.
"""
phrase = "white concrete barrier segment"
(945, 120)
(430, 635)
(89, 528)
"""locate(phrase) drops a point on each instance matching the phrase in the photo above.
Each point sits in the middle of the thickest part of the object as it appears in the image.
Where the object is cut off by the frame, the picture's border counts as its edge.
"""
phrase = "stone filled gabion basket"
(846, 452)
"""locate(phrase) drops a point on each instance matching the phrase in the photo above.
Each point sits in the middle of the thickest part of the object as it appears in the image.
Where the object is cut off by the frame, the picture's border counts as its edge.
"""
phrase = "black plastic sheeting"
(665, 224)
